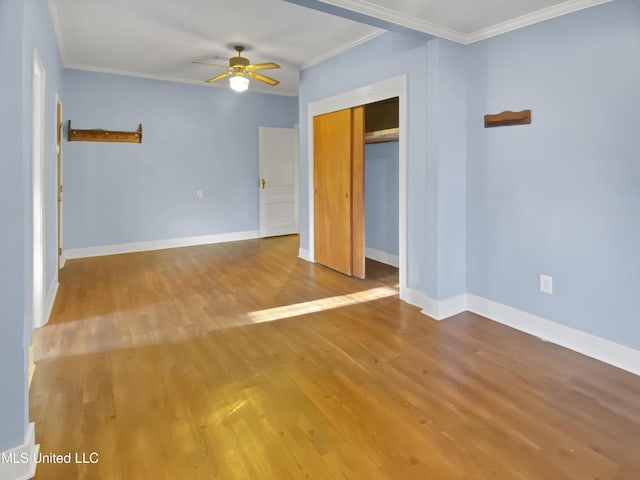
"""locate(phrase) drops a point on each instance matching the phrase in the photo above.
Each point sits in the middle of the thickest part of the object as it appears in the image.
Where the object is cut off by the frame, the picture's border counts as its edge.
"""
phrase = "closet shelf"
(379, 136)
(99, 135)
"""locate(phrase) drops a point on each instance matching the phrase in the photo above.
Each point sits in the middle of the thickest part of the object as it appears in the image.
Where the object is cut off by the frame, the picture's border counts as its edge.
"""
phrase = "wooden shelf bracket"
(99, 135)
(507, 118)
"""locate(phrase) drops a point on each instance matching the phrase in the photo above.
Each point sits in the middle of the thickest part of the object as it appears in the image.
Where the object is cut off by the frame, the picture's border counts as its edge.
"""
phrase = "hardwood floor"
(182, 364)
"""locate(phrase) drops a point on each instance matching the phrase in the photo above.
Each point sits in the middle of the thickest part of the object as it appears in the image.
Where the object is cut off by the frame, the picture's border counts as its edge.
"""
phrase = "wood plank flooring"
(182, 364)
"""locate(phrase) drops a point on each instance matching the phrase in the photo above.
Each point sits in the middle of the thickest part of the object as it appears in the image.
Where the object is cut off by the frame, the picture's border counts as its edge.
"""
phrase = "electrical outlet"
(546, 284)
(199, 194)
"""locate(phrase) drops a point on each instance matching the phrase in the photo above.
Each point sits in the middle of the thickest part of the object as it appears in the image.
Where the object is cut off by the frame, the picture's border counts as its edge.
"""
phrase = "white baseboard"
(51, 298)
(48, 302)
(452, 306)
(304, 254)
(31, 365)
(48, 308)
(592, 346)
(19, 463)
(419, 299)
(382, 257)
(436, 309)
(159, 244)
(606, 351)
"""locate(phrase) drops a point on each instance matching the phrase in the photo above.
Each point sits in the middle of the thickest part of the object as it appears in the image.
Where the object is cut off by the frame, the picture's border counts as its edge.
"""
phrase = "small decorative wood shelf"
(99, 135)
(507, 118)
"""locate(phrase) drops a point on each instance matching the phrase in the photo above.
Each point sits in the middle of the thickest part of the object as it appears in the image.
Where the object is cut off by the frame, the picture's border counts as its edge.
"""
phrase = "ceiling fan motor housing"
(238, 62)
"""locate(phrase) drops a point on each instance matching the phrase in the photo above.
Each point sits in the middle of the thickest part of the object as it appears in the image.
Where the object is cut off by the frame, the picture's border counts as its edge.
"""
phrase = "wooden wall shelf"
(99, 135)
(507, 118)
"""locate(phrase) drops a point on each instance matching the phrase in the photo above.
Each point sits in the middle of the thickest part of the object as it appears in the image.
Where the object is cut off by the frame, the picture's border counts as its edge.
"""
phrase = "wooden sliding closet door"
(338, 194)
(357, 192)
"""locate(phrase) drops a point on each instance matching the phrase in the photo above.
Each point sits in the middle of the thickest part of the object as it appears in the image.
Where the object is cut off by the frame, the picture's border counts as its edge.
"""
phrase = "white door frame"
(297, 178)
(59, 183)
(393, 87)
(37, 188)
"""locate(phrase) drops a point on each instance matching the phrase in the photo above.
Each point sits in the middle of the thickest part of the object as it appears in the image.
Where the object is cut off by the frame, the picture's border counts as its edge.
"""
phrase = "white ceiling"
(160, 38)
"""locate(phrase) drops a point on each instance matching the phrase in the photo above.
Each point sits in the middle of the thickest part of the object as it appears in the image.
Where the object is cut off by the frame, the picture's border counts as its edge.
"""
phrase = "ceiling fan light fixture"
(239, 83)
(240, 69)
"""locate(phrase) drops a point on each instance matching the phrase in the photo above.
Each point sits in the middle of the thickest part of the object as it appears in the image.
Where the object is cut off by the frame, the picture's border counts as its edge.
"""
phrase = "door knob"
(263, 183)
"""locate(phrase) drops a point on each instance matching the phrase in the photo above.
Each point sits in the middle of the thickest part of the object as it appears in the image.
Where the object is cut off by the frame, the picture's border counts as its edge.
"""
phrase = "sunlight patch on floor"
(112, 331)
(322, 304)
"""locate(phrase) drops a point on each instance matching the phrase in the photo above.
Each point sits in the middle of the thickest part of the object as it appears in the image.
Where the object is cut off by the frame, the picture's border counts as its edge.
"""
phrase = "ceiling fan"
(239, 69)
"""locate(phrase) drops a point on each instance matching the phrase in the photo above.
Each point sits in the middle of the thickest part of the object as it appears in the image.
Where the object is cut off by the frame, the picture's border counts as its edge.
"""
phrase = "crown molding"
(340, 49)
(388, 15)
(532, 18)
(168, 78)
(400, 19)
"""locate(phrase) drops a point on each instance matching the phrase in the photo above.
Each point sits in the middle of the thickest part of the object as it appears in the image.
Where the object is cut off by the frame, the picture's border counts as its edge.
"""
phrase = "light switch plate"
(199, 194)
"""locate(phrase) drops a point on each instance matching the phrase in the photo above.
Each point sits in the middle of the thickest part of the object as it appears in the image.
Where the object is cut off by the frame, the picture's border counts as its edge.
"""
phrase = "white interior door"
(37, 177)
(278, 160)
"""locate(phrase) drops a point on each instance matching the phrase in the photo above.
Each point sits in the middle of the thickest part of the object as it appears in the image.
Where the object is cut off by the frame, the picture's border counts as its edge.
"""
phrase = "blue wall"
(13, 401)
(562, 195)
(446, 120)
(381, 196)
(24, 25)
(195, 138)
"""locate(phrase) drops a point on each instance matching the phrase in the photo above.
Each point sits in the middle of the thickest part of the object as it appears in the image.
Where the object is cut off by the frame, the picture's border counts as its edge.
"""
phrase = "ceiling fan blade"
(263, 66)
(212, 64)
(263, 78)
(219, 77)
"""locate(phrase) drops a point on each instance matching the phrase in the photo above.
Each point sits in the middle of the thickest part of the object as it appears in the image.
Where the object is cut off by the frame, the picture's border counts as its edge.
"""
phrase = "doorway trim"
(59, 183)
(392, 87)
(38, 109)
